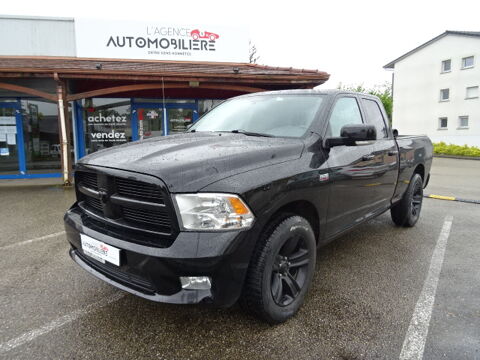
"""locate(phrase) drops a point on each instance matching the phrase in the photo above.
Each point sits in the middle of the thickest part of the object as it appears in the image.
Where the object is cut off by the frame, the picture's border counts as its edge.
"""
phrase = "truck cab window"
(375, 117)
(345, 111)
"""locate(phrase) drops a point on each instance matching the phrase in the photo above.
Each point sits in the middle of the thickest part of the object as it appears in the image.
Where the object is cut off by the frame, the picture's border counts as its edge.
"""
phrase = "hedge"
(451, 149)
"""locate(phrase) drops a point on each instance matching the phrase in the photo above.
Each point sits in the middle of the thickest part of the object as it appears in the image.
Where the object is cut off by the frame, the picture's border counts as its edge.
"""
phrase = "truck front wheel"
(407, 211)
(281, 270)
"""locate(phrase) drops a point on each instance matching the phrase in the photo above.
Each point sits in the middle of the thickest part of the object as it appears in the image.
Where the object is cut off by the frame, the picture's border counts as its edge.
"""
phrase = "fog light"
(195, 282)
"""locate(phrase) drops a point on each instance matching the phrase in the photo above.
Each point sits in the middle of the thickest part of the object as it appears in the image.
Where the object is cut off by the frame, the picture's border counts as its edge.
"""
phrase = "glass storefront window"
(8, 141)
(207, 105)
(41, 136)
(179, 120)
(150, 122)
(160, 101)
(107, 122)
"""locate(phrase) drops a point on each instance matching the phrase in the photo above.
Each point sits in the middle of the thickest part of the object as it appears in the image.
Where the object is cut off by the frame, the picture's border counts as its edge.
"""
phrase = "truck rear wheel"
(407, 211)
(281, 270)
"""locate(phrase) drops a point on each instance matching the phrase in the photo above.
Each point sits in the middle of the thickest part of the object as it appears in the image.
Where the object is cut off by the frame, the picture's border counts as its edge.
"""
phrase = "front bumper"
(153, 272)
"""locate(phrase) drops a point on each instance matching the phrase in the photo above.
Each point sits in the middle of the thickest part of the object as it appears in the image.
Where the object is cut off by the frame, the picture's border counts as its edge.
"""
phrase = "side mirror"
(350, 134)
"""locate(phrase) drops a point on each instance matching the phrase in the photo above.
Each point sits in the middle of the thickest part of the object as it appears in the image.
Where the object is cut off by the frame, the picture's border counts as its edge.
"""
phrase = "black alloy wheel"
(417, 197)
(289, 270)
(281, 269)
(406, 212)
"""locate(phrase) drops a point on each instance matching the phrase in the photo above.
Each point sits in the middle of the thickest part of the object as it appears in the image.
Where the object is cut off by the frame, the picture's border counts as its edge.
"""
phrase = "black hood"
(190, 161)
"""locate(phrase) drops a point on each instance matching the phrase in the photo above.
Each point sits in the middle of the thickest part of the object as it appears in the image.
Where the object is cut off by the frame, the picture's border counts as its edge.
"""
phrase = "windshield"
(275, 115)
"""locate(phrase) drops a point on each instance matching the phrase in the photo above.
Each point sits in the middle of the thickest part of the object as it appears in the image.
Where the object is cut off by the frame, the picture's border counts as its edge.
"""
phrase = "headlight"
(210, 211)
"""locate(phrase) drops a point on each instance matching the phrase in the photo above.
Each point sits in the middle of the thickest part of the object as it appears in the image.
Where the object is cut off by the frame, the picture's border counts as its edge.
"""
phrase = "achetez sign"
(107, 129)
(160, 41)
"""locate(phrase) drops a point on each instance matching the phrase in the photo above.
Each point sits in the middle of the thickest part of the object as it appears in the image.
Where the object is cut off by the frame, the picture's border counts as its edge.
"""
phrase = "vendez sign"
(158, 41)
(107, 129)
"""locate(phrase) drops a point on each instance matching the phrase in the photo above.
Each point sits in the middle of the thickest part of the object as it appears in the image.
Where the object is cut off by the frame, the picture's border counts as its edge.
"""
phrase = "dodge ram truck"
(236, 208)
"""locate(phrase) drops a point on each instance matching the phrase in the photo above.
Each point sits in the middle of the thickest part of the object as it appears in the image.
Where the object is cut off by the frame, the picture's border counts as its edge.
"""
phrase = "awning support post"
(64, 127)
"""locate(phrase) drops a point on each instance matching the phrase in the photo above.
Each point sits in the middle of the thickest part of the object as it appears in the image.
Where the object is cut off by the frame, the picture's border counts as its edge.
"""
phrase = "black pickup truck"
(236, 207)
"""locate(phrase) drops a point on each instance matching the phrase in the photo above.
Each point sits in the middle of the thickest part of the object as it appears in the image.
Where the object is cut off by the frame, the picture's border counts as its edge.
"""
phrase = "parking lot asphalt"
(366, 289)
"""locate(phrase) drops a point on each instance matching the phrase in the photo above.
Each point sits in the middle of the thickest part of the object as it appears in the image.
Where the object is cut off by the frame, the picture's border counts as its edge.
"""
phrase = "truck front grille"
(94, 203)
(139, 190)
(158, 218)
(129, 203)
(87, 179)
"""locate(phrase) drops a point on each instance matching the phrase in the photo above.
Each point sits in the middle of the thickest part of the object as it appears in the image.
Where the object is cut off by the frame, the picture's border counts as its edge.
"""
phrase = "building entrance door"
(29, 144)
(10, 151)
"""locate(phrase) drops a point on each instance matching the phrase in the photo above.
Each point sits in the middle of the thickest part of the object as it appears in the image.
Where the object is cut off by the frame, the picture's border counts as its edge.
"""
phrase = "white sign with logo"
(8, 129)
(107, 128)
(100, 251)
(160, 41)
(7, 120)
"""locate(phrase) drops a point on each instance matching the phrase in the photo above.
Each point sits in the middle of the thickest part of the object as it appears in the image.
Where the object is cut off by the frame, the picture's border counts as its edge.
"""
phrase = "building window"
(472, 92)
(40, 135)
(8, 141)
(467, 62)
(106, 122)
(444, 94)
(167, 100)
(207, 105)
(463, 122)
(179, 119)
(442, 123)
(446, 65)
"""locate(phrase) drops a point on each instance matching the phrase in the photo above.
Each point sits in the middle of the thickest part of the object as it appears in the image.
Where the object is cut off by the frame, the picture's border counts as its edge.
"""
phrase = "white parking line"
(414, 344)
(32, 240)
(57, 323)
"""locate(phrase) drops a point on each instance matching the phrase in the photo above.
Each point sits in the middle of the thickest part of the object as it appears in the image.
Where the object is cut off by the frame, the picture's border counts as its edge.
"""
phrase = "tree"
(384, 92)
(253, 57)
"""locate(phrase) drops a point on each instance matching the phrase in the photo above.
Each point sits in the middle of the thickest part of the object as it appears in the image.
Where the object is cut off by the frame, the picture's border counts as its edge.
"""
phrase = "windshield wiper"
(250, 133)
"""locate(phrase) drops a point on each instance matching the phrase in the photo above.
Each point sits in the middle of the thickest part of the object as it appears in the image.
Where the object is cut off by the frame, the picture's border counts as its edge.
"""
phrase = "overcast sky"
(351, 40)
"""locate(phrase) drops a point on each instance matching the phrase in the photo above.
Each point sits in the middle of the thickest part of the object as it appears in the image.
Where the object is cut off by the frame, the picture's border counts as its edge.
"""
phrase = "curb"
(452, 198)
(456, 157)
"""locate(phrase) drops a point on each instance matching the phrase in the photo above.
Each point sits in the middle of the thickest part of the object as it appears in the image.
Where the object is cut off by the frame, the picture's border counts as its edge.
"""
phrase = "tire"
(281, 270)
(407, 211)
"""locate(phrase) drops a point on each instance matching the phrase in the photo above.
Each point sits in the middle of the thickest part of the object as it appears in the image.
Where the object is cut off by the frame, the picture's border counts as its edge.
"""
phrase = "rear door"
(385, 165)
(351, 170)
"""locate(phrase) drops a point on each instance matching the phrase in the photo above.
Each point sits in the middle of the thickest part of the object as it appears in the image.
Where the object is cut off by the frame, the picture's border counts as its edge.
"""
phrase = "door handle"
(392, 152)
(368, 157)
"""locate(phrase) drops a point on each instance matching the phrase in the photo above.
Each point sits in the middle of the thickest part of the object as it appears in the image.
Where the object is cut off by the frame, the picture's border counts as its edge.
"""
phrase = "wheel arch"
(301, 208)
(420, 170)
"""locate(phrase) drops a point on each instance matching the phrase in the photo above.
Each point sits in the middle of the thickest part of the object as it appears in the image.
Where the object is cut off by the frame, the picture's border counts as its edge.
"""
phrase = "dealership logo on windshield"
(168, 41)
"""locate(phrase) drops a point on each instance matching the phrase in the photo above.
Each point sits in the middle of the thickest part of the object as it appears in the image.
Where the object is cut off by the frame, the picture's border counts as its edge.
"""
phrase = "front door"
(386, 166)
(351, 171)
(9, 149)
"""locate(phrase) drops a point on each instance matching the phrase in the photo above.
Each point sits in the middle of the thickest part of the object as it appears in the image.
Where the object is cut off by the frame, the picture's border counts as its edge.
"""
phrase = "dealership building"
(70, 87)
